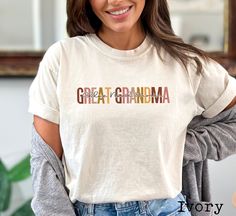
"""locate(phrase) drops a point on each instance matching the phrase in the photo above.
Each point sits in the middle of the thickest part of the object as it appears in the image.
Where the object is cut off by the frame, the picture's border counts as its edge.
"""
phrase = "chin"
(121, 29)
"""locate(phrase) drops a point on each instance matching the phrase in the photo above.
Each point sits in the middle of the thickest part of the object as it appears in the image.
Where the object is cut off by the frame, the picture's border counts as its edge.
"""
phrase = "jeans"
(161, 207)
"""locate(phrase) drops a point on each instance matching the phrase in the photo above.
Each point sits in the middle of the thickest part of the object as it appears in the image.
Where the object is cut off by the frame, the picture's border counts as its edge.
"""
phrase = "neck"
(122, 40)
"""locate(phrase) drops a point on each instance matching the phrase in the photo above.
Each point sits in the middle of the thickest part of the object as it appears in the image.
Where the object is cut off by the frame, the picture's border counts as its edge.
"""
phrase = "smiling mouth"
(119, 12)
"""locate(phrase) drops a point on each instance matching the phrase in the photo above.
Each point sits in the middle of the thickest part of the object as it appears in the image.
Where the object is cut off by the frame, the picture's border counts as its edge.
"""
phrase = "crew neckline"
(117, 53)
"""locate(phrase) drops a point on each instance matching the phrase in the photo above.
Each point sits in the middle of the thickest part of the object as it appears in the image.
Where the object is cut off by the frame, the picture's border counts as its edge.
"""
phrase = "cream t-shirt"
(123, 115)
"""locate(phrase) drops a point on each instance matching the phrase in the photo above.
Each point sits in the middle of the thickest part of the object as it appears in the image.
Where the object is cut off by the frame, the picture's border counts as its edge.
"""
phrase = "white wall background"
(16, 36)
(15, 132)
(199, 19)
(17, 30)
(31, 24)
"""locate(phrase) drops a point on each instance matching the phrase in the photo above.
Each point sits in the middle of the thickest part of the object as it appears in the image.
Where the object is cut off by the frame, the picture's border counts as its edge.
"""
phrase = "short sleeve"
(215, 88)
(43, 99)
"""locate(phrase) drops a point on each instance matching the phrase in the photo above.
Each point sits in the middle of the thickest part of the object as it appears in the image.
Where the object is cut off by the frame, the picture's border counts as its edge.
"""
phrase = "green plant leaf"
(5, 188)
(20, 171)
(24, 210)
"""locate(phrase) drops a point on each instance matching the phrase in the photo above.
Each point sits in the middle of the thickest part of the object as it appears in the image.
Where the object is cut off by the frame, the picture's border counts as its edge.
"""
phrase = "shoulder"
(212, 67)
(212, 72)
(65, 43)
(63, 49)
(73, 43)
(209, 65)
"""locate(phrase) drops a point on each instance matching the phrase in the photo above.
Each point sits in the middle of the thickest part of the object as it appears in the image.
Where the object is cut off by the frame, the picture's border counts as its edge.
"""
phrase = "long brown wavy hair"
(156, 21)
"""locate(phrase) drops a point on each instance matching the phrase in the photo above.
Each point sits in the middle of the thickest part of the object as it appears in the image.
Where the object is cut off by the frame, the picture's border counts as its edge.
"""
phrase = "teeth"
(119, 12)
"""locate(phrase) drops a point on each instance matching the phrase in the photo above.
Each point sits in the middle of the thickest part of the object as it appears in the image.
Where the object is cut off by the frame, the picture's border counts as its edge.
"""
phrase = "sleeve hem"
(222, 102)
(43, 111)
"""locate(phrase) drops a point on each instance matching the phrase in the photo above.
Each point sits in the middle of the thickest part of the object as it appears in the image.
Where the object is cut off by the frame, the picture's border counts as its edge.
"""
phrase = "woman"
(114, 101)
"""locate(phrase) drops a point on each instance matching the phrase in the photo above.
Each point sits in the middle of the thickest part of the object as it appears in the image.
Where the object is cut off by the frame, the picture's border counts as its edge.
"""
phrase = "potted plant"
(19, 172)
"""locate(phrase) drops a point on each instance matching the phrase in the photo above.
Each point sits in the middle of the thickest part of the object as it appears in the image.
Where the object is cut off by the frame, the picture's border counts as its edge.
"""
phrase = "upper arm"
(215, 90)
(231, 104)
(43, 99)
(49, 132)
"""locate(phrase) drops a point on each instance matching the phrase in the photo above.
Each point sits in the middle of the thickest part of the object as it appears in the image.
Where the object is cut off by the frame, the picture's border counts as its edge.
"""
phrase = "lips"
(119, 11)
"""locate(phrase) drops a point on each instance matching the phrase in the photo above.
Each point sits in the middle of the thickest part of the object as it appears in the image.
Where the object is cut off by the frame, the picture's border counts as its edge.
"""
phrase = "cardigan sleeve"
(50, 196)
(211, 138)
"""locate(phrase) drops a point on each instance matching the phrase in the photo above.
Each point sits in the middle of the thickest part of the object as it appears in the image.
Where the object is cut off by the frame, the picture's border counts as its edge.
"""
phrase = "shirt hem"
(222, 102)
(44, 112)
